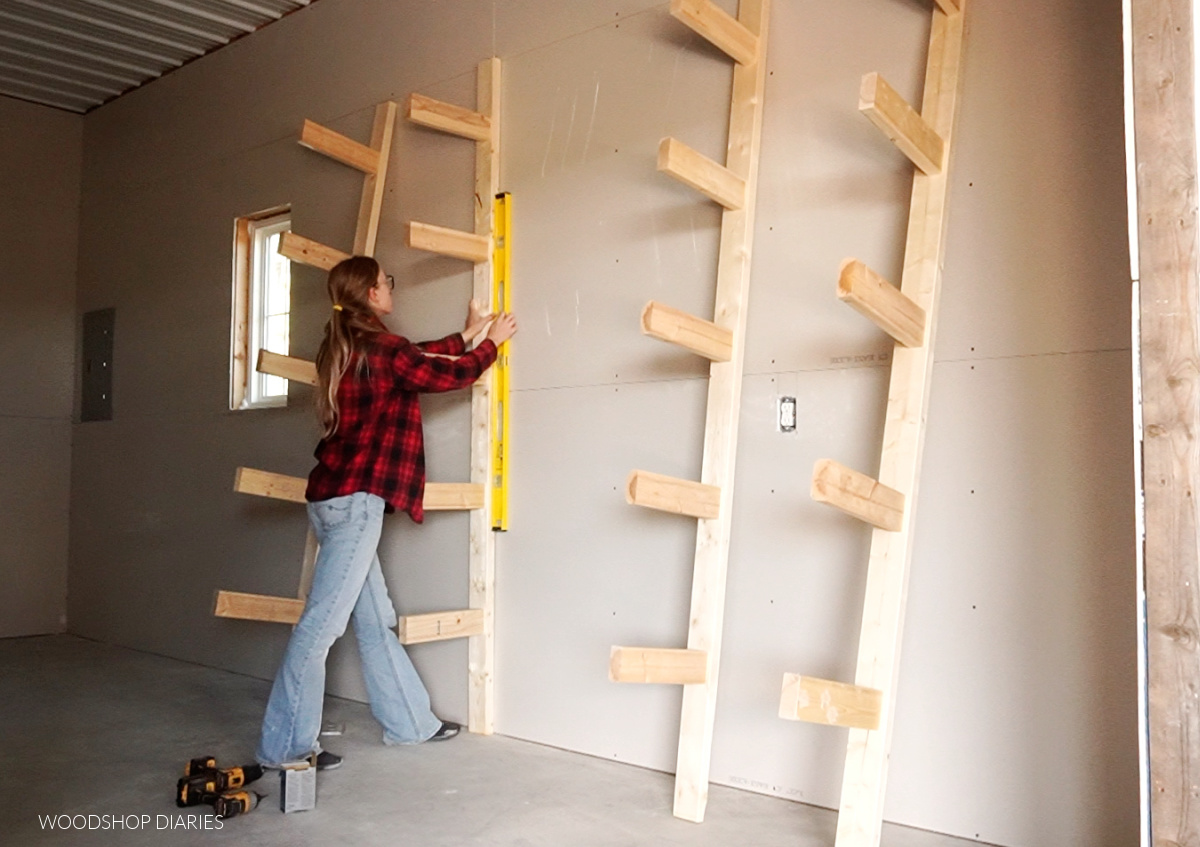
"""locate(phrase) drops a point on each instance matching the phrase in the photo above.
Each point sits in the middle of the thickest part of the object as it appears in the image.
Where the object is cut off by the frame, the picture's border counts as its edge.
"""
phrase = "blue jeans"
(347, 584)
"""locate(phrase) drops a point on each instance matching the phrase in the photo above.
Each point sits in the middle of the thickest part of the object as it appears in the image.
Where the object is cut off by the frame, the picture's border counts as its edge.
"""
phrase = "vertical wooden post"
(1164, 128)
(721, 424)
(371, 204)
(482, 649)
(864, 779)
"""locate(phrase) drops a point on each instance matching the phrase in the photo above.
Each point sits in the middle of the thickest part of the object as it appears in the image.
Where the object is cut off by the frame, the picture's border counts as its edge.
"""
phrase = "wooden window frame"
(242, 368)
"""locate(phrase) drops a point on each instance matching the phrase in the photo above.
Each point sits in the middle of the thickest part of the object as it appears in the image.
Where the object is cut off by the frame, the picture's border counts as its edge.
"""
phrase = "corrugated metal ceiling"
(77, 54)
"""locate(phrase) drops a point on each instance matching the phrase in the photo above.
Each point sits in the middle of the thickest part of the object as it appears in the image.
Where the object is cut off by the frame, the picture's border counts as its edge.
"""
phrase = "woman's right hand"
(502, 328)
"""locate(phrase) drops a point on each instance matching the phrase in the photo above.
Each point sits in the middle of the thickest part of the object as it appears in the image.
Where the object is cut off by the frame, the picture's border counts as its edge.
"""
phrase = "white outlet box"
(787, 414)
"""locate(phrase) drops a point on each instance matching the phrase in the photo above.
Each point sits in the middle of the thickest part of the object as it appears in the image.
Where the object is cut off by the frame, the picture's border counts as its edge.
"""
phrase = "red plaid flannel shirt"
(379, 447)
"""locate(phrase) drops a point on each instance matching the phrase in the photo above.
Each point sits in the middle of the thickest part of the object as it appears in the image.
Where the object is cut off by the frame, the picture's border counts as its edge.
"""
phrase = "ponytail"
(350, 327)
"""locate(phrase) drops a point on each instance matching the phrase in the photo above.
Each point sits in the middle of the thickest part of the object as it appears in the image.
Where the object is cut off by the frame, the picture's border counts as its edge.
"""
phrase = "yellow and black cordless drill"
(204, 782)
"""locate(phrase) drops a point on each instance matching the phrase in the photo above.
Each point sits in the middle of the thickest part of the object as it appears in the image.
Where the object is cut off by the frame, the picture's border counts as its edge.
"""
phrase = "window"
(262, 297)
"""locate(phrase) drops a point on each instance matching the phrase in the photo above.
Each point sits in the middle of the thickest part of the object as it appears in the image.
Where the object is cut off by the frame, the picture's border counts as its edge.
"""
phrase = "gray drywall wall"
(41, 155)
(1016, 711)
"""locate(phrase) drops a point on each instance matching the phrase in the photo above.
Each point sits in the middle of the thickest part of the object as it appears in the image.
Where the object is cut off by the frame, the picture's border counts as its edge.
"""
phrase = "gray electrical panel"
(97, 365)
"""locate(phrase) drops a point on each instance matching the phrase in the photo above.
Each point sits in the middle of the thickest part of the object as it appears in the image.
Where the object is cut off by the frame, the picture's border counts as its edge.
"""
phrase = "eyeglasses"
(391, 281)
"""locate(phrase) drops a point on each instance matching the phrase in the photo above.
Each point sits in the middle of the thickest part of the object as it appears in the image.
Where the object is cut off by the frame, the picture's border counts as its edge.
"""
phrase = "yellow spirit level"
(501, 302)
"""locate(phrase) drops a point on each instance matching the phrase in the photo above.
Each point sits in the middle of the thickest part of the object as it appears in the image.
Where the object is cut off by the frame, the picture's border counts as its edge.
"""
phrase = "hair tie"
(337, 307)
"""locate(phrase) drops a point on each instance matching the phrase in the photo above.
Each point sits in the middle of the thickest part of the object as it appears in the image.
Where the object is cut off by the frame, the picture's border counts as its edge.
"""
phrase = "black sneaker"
(327, 761)
(446, 731)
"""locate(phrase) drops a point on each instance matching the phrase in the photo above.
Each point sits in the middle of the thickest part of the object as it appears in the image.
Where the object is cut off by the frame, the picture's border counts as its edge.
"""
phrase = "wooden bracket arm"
(806, 698)
(439, 496)
(339, 147)
(858, 495)
(258, 607)
(309, 252)
(440, 626)
(449, 242)
(702, 337)
(902, 124)
(716, 182)
(452, 119)
(266, 484)
(453, 496)
(668, 494)
(288, 367)
(651, 664)
(874, 297)
(718, 27)
(411, 629)
(302, 370)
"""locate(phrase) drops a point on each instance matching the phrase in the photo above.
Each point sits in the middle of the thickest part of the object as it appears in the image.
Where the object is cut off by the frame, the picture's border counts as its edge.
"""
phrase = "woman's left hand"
(477, 321)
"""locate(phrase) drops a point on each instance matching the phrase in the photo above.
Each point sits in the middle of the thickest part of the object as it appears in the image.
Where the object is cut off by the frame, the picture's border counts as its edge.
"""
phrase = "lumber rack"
(733, 186)
(476, 622)
(909, 315)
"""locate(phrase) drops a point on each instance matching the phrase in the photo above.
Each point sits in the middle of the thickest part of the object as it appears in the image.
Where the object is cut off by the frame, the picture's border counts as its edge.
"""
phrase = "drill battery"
(234, 803)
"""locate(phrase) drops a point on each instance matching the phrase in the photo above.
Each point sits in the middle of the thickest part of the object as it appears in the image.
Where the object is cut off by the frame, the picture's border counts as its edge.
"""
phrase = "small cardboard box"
(298, 786)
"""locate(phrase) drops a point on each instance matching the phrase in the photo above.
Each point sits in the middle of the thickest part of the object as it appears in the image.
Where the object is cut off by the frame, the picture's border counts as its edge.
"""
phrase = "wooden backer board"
(481, 649)
(805, 698)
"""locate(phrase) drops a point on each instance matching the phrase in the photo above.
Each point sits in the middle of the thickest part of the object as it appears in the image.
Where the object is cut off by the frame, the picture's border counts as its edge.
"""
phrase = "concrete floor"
(90, 729)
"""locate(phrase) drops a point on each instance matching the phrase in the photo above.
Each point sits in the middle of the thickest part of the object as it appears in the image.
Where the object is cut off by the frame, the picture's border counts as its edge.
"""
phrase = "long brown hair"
(352, 323)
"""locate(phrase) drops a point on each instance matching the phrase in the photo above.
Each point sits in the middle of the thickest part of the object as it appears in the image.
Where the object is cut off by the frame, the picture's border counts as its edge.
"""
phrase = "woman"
(370, 461)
